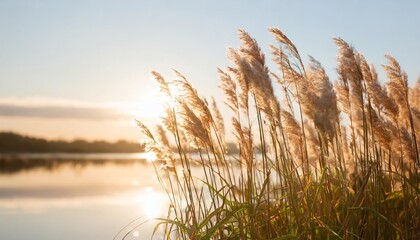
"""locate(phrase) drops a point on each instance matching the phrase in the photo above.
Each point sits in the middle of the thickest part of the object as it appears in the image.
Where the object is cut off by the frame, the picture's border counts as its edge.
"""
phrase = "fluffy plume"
(162, 152)
(414, 100)
(314, 151)
(259, 77)
(398, 87)
(291, 74)
(377, 93)
(345, 147)
(343, 95)
(239, 69)
(250, 48)
(409, 153)
(350, 84)
(190, 95)
(290, 47)
(161, 136)
(324, 107)
(414, 96)
(244, 139)
(145, 130)
(195, 130)
(349, 71)
(294, 134)
(218, 119)
(289, 63)
(381, 130)
(164, 86)
(228, 87)
(169, 120)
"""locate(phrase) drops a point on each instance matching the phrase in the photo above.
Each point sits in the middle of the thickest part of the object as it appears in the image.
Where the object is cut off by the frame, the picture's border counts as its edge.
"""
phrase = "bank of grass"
(325, 162)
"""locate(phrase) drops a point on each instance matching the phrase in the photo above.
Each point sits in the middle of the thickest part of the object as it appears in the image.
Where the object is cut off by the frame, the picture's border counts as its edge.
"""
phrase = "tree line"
(15, 143)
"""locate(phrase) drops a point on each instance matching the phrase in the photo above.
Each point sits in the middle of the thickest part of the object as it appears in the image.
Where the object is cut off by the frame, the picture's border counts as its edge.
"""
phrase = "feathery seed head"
(218, 118)
(195, 130)
(398, 87)
(228, 87)
(282, 38)
(164, 87)
(190, 95)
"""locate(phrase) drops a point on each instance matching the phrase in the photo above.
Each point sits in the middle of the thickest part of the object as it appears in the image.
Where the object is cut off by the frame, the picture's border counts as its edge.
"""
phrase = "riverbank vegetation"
(318, 159)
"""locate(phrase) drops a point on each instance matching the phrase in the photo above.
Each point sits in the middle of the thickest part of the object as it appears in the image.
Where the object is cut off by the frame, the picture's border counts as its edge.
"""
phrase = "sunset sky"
(81, 69)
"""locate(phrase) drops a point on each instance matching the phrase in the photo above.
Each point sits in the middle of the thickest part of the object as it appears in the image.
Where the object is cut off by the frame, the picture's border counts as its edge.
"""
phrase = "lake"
(78, 196)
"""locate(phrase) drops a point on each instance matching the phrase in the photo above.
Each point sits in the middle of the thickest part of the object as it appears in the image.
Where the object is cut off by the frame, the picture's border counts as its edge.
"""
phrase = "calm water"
(89, 196)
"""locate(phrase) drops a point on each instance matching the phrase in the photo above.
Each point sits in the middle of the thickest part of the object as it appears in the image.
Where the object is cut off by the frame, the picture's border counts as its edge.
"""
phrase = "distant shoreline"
(14, 143)
(11, 163)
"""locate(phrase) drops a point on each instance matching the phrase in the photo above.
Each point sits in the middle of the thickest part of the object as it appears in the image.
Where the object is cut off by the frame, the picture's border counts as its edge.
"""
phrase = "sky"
(81, 69)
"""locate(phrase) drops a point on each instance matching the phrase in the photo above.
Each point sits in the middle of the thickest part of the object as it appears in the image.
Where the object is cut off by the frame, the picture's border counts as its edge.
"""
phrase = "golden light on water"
(151, 202)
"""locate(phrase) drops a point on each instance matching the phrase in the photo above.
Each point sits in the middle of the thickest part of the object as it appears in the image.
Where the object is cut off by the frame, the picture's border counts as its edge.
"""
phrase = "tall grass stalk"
(332, 161)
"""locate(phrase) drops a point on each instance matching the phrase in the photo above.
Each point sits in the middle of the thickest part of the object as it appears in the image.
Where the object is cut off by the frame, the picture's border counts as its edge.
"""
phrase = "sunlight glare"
(150, 156)
(151, 202)
(150, 105)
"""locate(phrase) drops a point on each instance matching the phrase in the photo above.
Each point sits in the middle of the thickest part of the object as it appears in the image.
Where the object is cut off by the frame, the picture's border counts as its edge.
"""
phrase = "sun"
(150, 156)
(151, 105)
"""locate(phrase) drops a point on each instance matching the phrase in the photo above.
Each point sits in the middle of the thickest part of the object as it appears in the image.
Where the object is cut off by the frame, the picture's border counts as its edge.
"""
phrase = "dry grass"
(330, 161)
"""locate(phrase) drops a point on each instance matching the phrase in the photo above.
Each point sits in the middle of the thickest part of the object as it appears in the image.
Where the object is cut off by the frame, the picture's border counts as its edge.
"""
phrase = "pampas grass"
(335, 161)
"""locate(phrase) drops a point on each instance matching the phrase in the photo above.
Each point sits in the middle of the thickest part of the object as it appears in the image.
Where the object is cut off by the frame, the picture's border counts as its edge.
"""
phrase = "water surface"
(88, 196)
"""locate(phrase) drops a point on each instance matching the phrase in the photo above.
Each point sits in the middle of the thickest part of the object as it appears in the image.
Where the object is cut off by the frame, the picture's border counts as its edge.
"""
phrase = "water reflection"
(59, 198)
(152, 202)
(15, 163)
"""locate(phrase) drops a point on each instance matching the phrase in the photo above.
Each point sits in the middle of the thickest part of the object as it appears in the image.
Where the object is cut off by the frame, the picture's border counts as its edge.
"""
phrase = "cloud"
(58, 109)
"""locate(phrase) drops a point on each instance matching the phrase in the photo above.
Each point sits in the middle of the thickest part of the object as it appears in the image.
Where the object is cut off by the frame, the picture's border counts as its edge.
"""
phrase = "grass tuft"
(330, 161)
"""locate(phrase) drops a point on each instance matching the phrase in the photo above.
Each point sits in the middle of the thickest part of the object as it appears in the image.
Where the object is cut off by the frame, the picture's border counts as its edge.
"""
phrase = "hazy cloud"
(52, 111)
